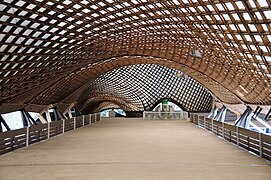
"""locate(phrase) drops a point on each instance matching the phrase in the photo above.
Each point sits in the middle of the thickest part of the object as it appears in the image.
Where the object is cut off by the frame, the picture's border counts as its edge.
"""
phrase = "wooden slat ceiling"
(143, 86)
(105, 106)
(49, 48)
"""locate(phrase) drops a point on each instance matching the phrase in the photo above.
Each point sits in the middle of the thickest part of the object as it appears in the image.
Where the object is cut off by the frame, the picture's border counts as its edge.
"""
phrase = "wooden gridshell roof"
(51, 50)
(142, 86)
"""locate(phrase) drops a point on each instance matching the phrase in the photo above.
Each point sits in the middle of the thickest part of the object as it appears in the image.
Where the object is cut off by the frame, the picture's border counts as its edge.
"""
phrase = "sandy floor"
(124, 149)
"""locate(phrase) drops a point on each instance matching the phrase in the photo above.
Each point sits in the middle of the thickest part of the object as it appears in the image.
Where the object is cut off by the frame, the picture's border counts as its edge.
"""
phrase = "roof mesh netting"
(142, 86)
(51, 49)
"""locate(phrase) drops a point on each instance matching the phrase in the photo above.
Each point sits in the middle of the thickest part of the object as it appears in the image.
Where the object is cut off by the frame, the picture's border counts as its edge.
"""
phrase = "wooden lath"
(49, 46)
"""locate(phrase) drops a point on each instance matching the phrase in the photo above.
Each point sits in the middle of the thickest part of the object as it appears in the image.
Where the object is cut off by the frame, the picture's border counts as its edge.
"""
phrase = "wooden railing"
(255, 142)
(15, 139)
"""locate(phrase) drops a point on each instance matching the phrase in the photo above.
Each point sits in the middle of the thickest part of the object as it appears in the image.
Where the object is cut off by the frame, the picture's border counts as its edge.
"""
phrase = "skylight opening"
(20, 3)
(110, 9)
(238, 37)
(210, 7)
(102, 4)
(258, 38)
(267, 14)
(102, 12)
(208, 17)
(253, 5)
(252, 27)
(253, 47)
(118, 6)
(226, 17)
(176, 2)
(94, 7)
(50, 3)
(95, 15)
(258, 15)
(242, 27)
(264, 49)
(240, 5)
(53, 21)
(246, 16)
(248, 38)
(27, 32)
(79, 22)
(232, 26)
(268, 59)
(86, 10)
(67, 2)
(77, 6)
(84, 2)
(263, 3)
(220, 7)
(71, 27)
(229, 6)
(60, 6)
(110, 1)
(217, 17)
(192, 9)
(12, 49)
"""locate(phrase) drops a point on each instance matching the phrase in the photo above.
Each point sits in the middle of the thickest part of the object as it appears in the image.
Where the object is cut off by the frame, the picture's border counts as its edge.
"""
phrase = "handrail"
(256, 142)
(15, 139)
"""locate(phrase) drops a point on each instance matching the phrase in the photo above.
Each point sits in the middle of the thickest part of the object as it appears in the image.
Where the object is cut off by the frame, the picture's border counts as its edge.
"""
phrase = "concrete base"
(117, 149)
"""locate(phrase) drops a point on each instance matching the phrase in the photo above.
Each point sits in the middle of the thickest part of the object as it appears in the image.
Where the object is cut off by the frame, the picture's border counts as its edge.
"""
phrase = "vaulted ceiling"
(51, 50)
(141, 87)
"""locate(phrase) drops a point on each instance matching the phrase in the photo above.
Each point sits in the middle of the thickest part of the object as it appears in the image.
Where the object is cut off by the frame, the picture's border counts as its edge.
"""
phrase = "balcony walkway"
(127, 149)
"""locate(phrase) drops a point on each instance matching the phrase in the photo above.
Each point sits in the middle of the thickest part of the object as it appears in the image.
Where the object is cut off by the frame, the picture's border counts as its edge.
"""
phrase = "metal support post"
(48, 117)
(83, 120)
(89, 118)
(221, 115)
(4, 123)
(95, 117)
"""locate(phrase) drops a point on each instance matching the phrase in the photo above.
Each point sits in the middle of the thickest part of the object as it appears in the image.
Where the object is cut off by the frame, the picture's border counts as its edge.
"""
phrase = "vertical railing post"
(204, 121)
(212, 125)
(89, 118)
(143, 115)
(48, 130)
(27, 136)
(237, 136)
(63, 126)
(260, 145)
(195, 119)
(74, 122)
(83, 120)
(223, 131)
(95, 117)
